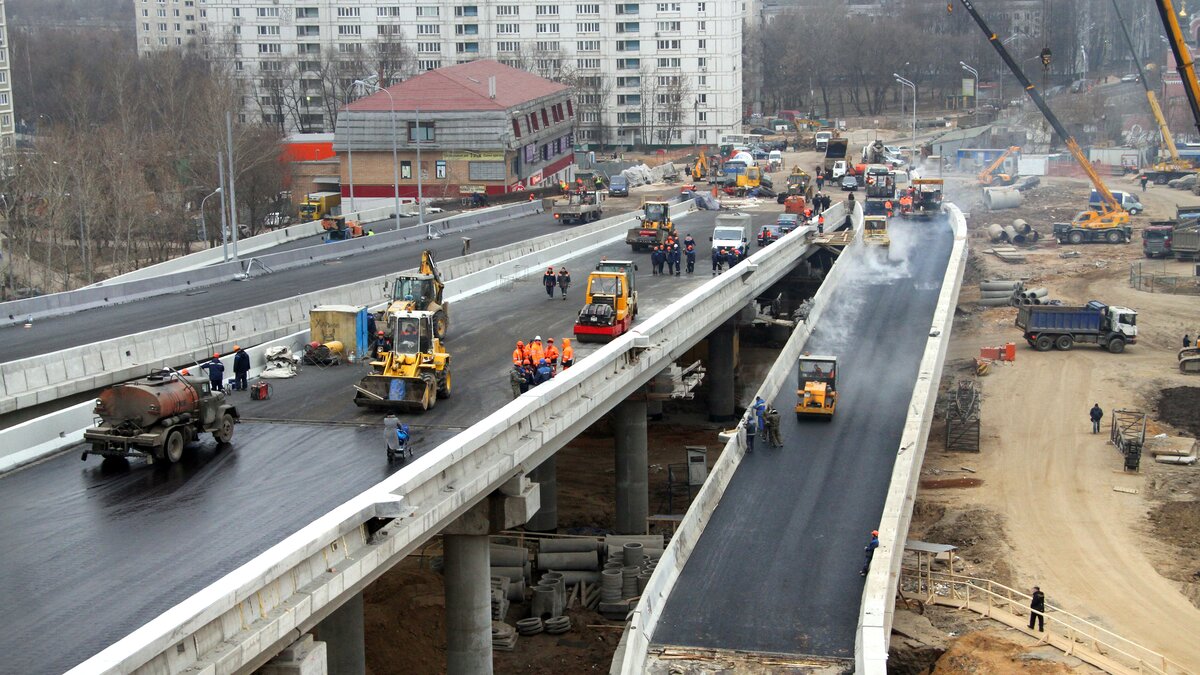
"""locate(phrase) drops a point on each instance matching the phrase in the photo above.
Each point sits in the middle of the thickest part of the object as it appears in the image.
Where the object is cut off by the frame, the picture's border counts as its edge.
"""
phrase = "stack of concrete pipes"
(1005, 293)
(1020, 232)
(1001, 198)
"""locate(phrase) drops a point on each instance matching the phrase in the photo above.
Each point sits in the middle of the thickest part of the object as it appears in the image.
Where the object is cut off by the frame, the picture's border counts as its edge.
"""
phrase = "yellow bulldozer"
(420, 292)
(816, 396)
(413, 374)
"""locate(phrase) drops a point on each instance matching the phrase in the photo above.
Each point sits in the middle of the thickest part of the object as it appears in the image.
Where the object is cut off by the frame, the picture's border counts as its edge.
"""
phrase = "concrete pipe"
(1011, 233)
(568, 561)
(611, 582)
(510, 572)
(614, 565)
(1021, 226)
(545, 603)
(568, 546)
(996, 294)
(556, 582)
(1001, 198)
(632, 553)
(994, 302)
(642, 580)
(1035, 293)
(1000, 285)
(504, 556)
(996, 233)
(1176, 459)
(516, 590)
(629, 582)
(572, 577)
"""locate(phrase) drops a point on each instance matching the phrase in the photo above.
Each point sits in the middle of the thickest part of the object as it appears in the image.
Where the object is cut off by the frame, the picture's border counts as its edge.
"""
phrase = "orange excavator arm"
(985, 176)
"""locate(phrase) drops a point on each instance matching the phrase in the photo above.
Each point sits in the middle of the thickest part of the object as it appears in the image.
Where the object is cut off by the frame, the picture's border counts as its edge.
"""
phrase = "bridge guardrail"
(263, 605)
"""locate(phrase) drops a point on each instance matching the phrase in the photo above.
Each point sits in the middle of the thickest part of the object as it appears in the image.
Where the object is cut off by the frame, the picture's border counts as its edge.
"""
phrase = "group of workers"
(561, 281)
(216, 371)
(762, 419)
(671, 254)
(535, 363)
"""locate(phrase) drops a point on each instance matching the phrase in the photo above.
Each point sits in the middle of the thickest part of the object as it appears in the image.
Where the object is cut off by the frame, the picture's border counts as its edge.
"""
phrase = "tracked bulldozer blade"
(404, 394)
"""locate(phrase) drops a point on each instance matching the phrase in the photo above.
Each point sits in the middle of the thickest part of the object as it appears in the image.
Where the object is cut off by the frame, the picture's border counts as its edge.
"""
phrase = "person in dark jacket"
(718, 259)
(543, 373)
(216, 373)
(550, 281)
(1187, 340)
(564, 280)
(1096, 415)
(516, 378)
(691, 258)
(655, 260)
(869, 552)
(241, 366)
(1037, 610)
(674, 259)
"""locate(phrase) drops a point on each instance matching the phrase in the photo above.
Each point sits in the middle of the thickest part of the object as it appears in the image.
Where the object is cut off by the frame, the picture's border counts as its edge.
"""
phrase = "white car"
(839, 169)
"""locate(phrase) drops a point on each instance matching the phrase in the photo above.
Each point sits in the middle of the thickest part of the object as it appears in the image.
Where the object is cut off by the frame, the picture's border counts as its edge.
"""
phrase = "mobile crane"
(989, 176)
(1174, 167)
(1111, 223)
(1183, 58)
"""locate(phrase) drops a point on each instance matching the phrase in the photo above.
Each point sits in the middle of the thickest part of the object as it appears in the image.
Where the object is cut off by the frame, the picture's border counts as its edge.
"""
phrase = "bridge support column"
(633, 496)
(302, 657)
(342, 633)
(546, 476)
(468, 605)
(720, 374)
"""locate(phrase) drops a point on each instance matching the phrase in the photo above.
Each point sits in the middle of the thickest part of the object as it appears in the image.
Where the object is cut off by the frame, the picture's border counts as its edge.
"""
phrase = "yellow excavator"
(420, 292)
(700, 168)
(990, 177)
(1109, 224)
(413, 374)
(816, 396)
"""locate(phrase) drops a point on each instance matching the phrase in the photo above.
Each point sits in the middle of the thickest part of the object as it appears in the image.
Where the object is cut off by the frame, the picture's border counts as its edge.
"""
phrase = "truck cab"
(822, 140)
(732, 233)
(1156, 241)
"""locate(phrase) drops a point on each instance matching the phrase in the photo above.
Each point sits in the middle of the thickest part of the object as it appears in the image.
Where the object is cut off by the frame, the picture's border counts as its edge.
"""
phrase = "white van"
(1129, 201)
(839, 169)
(902, 180)
(732, 231)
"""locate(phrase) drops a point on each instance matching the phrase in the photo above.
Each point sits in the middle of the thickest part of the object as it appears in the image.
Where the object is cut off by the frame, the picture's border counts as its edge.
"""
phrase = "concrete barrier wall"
(247, 616)
(875, 613)
(630, 659)
(57, 304)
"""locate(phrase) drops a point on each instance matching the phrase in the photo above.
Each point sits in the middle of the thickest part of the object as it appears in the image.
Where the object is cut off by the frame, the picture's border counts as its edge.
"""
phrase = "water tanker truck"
(156, 416)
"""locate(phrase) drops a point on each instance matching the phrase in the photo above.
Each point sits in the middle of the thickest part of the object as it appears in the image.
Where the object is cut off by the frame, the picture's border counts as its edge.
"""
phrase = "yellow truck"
(317, 205)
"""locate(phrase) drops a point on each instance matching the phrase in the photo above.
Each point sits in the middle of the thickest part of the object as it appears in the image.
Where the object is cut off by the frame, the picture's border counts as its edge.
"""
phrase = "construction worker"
(241, 367)
(536, 351)
(564, 280)
(760, 410)
(654, 256)
(887, 205)
(774, 434)
(530, 375)
(520, 353)
(691, 258)
(543, 372)
(549, 280)
(216, 373)
(568, 354)
(820, 181)
(750, 422)
(718, 259)
(821, 223)
(551, 354)
(516, 378)
(688, 241)
(383, 344)
(869, 552)
(391, 425)
(562, 186)
(673, 260)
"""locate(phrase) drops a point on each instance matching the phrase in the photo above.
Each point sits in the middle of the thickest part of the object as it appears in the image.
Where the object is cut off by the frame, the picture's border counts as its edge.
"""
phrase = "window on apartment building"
(667, 99)
(701, 45)
(269, 30)
(589, 82)
(271, 66)
(429, 64)
(467, 47)
(589, 99)
(668, 80)
(546, 46)
(667, 26)
(304, 66)
(701, 80)
(629, 99)
(508, 28)
(628, 27)
(307, 13)
(508, 46)
(701, 26)
(176, 13)
(427, 11)
(668, 45)
(629, 64)
(516, 124)
(508, 10)
(667, 6)
(428, 29)
(701, 7)
(349, 12)
(587, 9)
(162, 26)
(162, 41)
(531, 120)
(702, 117)
(308, 48)
(547, 10)
(237, 11)
(349, 48)
(702, 62)
(429, 47)
(545, 117)
(466, 29)
(268, 12)
(588, 27)
(349, 30)
(162, 13)
(146, 13)
(629, 82)
(178, 27)
(145, 26)
(629, 118)
(427, 132)
(669, 63)
(626, 9)
(587, 64)
(189, 17)
(590, 116)
(702, 99)
(388, 12)
(308, 31)
(547, 28)
(466, 10)
(628, 45)
(238, 66)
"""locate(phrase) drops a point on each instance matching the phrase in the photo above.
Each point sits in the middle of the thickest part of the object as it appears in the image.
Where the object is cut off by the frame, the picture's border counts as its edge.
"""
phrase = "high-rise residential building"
(168, 24)
(643, 72)
(7, 125)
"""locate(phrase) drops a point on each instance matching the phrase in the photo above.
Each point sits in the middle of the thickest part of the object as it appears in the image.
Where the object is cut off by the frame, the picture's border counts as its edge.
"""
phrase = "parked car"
(849, 183)
(618, 186)
(768, 234)
(762, 131)
(759, 153)
(1132, 77)
(787, 222)
(1185, 183)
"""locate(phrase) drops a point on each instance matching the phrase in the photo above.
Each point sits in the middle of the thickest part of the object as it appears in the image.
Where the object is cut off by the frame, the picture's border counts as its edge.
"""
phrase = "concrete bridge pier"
(468, 574)
(344, 638)
(546, 476)
(633, 487)
(303, 657)
(721, 402)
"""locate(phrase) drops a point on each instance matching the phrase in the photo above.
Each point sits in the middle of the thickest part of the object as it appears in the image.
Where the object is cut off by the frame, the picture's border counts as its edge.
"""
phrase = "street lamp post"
(395, 160)
(912, 158)
(975, 74)
(420, 191)
(203, 227)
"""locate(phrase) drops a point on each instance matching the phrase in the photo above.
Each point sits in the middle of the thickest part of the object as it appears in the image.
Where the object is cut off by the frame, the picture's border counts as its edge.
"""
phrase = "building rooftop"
(463, 87)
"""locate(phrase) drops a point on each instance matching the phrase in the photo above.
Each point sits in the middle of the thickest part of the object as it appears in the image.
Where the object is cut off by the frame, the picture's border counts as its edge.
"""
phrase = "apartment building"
(168, 24)
(643, 72)
(7, 123)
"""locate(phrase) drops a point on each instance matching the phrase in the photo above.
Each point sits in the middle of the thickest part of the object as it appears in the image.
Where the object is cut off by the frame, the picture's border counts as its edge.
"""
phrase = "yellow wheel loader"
(413, 374)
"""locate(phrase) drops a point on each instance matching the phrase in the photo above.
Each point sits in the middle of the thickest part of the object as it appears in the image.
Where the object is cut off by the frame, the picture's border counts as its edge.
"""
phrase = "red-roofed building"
(484, 127)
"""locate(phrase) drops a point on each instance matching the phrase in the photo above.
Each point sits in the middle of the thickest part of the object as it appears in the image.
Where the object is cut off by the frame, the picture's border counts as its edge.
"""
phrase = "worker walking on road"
(549, 280)
(718, 259)
(1187, 340)
(869, 552)
(1143, 179)
(674, 259)
(564, 280)
(691, 258)
(1096, 414)
(516, 378)
(216, 373)
(1037, 610)
(241, 367)
(774, 433)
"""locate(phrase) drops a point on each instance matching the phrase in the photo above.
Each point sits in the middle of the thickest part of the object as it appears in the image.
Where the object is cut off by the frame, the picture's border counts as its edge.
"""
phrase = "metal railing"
(1152, 277)
(1082, 638)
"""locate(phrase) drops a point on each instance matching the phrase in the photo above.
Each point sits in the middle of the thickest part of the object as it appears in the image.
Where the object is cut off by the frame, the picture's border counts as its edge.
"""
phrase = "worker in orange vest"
(551, 354)
(888, 206)
(568, 354)
(520, 353)
(536, 351)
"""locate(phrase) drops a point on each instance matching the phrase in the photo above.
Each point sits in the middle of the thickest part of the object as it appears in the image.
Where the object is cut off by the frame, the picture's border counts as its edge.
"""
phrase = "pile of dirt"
(404, 617)
(1180, 407)
(1177, 523)
(987, 651)
(965, 529)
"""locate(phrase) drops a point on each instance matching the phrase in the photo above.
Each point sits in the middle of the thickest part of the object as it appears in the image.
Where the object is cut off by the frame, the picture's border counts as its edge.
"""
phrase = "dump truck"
(875, 231)
(655, 228)
(420, 292)
(414, 374)
(1185, 241)
(821, 140)
(610, 304)
(836, 150)
(1049, 327)
(1156, 240)
(317, 205)
(816, 393)
(156, 416)
(578, 207)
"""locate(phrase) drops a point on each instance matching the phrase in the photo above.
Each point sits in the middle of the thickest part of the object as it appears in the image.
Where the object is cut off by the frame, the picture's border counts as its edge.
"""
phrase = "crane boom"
(1113, 214)
(1183, 58)
(1155, 108)
(985, 176)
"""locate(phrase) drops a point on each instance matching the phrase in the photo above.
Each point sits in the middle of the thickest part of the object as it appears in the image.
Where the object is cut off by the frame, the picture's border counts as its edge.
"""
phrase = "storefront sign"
(487, 155)
(535, 178)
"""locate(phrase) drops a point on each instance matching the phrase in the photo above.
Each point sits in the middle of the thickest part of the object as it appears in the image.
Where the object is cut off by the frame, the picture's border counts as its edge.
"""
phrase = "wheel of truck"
(1064, 342)
(1043, 343)
(1113, 237)
(1116, 346)
(443, 390)
(173, 448)
(441, 324)
(430, 391)
(1075, 238)
(1161, 179)
(224, 433)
